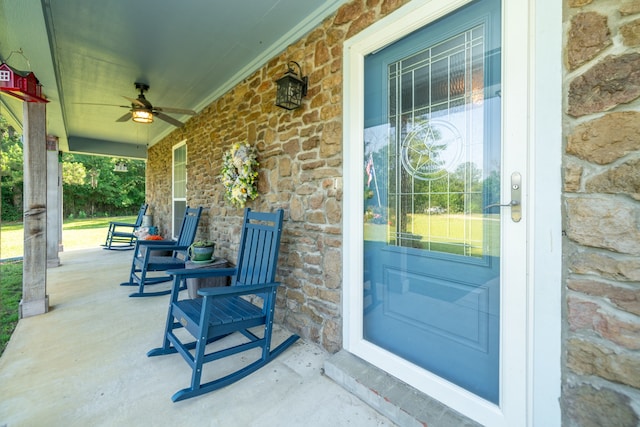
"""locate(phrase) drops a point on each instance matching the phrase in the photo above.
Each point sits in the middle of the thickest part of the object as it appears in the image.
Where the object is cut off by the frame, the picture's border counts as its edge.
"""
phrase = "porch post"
(34, 278)
(54, 211)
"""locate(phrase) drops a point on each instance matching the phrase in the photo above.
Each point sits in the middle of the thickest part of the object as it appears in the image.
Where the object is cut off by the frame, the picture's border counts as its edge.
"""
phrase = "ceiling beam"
(100, 147)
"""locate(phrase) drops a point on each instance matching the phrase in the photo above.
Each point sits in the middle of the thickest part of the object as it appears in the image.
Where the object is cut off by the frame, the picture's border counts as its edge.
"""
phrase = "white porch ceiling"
(190, 52)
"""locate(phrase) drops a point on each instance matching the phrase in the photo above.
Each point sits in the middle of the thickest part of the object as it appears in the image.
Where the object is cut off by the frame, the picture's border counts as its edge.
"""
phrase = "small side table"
(193, 284)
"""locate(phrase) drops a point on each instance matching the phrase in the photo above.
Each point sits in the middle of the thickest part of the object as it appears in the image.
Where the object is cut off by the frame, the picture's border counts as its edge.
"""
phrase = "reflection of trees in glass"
(467, 181)
(401, 201)
(457, 192)
(492, 188)
(446, 214)
(420, 164)
(421, 151)
(376, 189)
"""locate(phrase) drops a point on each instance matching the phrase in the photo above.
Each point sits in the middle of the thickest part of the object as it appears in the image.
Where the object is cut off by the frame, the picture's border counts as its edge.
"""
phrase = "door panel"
(431, 285)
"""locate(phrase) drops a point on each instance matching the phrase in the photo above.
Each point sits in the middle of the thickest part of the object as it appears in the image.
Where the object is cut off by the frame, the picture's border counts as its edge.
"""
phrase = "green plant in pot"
(201, 250)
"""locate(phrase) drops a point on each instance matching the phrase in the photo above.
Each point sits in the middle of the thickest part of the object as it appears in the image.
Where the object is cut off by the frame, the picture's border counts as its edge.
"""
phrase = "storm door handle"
(516, 196)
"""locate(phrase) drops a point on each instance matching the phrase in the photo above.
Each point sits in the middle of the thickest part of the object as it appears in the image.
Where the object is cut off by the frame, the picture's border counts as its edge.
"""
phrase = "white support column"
(54, 209)
(34, 278)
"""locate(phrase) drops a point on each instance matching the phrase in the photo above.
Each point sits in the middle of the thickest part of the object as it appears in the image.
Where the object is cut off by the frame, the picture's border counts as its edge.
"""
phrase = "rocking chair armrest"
(185, 273)
(162, 245)
(156, 242)
(175, 247)
(238, 290)
(122, 224)
(152, 245)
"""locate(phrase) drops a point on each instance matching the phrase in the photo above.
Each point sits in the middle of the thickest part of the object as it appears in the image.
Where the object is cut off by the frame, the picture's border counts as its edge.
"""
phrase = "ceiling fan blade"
(125, 118)
(104, 105)
(174, 110)
(135, 101)
(169, 119)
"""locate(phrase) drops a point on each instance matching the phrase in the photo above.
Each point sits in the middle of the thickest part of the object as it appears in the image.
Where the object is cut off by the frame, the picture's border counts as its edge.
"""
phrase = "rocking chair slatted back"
(259, 245)
(140, 217)
(188, 230)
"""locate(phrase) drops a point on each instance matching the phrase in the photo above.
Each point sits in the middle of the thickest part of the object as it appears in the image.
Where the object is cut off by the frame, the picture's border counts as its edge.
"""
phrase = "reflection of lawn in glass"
(441, 233)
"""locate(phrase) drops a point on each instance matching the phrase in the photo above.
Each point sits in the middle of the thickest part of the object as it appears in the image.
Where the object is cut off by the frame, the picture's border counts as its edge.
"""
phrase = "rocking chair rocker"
(221, 311)
(144, 261)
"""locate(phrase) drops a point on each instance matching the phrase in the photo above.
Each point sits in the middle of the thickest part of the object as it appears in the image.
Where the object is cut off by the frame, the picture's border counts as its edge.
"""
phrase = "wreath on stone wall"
(239, 174)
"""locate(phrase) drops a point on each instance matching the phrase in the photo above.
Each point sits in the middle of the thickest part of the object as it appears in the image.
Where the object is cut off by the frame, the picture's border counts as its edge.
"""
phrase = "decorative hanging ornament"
(20, 84)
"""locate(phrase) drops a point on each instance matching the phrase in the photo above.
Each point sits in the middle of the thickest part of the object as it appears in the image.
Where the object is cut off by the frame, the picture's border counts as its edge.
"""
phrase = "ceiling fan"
(142, 111)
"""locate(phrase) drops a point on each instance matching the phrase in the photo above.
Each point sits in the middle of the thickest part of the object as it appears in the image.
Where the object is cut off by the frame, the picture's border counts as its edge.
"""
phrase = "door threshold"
(396, 400)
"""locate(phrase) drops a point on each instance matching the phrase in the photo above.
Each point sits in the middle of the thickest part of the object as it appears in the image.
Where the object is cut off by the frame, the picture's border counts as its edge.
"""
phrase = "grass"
(76, 234)
(455, 233)
(10, 295)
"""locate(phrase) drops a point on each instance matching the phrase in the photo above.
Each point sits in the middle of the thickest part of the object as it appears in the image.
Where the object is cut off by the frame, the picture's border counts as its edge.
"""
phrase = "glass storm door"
(431, 169)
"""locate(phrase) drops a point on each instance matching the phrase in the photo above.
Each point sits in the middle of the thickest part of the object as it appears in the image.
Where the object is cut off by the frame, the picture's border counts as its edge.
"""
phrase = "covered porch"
(84, 363)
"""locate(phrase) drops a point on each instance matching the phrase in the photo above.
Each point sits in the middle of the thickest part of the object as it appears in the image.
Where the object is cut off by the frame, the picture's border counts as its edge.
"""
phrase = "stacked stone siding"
(601, 381)
(300, 154)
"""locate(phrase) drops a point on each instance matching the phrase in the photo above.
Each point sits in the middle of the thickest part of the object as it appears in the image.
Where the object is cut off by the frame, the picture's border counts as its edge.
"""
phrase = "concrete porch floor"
(84, 363)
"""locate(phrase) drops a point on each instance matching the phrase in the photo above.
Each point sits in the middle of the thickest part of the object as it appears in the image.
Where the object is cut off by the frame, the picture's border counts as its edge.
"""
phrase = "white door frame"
(532, 102)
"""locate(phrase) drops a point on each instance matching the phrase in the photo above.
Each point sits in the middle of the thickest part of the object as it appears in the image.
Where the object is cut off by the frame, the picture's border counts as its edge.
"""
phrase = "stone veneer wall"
(301, 169)
(602, 213)
(300, 154)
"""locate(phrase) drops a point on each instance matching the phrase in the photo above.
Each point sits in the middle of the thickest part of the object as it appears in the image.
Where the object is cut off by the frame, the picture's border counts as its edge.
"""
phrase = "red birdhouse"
(22, 84)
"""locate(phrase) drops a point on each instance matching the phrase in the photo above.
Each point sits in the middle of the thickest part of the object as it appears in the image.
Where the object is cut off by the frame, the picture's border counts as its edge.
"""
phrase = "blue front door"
(431, 168)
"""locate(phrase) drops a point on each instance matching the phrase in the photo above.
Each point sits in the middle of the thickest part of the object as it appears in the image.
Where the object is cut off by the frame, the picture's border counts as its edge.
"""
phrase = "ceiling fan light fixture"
(142, 115)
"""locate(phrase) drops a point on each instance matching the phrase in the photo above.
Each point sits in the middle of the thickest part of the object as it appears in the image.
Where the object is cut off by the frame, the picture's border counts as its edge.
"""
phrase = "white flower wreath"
(239, 174)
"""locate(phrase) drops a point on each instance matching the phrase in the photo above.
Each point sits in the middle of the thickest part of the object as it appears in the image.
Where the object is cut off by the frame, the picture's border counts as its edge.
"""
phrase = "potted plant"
(201, 251)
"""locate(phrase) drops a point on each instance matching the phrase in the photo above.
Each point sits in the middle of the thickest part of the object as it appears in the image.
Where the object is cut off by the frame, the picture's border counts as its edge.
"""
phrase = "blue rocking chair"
(221, 311)
(144, 261)
(124, 240)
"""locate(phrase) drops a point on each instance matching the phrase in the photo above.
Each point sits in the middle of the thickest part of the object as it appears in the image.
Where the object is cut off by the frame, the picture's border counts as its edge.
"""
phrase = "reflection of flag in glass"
(368, 169)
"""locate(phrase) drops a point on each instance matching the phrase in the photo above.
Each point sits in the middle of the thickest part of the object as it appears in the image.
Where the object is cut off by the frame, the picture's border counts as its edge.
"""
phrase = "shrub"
(10, 212)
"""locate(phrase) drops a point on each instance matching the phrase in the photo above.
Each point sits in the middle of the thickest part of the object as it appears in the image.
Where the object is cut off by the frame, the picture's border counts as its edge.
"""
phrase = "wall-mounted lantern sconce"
(291, 88)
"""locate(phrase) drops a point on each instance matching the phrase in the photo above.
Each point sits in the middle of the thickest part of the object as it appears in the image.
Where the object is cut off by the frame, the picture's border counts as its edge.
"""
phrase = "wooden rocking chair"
(145, 262)
(124, 240)
(221, 311)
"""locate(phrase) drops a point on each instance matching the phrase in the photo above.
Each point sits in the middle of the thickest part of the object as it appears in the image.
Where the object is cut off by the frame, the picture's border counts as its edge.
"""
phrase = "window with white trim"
(179, 192)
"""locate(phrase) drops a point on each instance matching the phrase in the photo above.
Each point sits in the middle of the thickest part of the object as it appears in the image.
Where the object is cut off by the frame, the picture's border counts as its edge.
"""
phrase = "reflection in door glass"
(430, 158)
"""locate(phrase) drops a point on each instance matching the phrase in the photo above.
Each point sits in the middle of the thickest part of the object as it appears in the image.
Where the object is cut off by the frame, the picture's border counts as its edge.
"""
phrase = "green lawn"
(76, 234)
(10, 295)
(451, 233)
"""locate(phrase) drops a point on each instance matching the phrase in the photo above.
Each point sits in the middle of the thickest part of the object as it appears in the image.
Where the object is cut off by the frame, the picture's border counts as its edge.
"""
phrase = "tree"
(467, 185)
(11, 173)
(73, 173)
(113, 193)
(92, 187)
